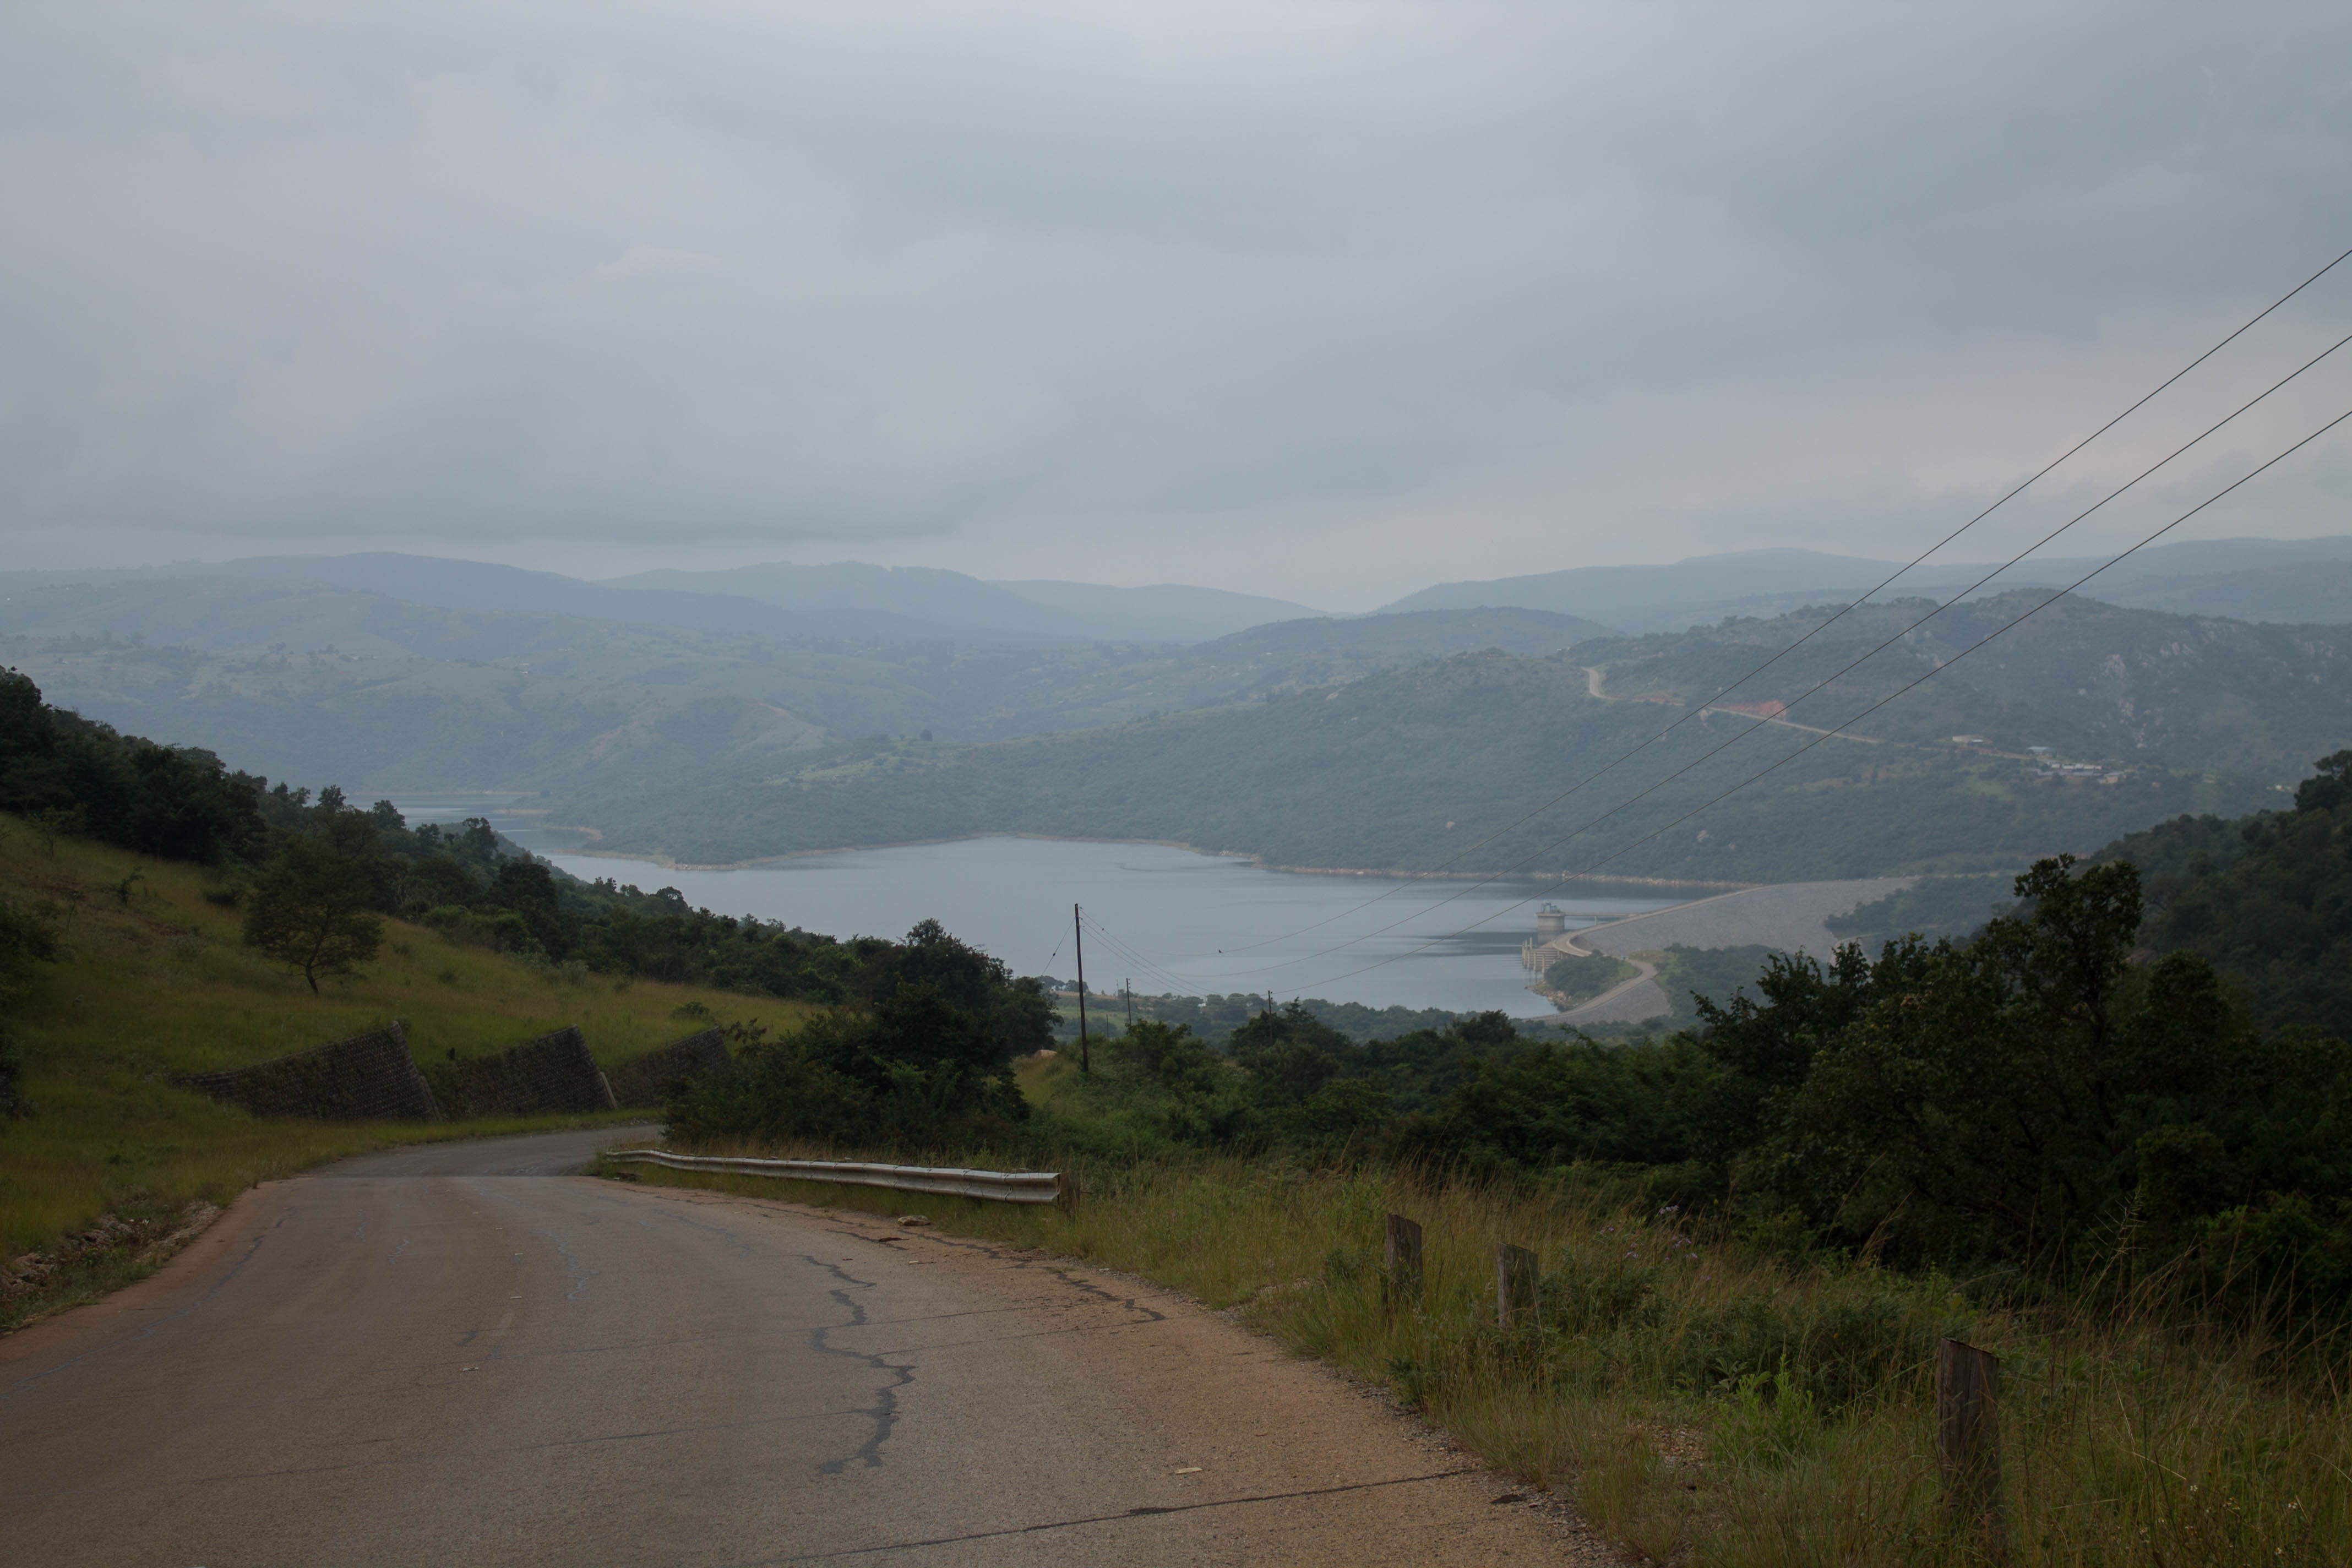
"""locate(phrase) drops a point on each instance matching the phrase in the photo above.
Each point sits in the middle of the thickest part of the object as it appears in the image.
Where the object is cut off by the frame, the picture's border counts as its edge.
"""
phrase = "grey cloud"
(672, 275)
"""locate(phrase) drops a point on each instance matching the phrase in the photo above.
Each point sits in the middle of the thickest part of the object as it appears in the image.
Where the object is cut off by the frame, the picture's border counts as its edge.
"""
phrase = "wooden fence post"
(1401, 1270)
(1968, 1437)
(1515, 1286)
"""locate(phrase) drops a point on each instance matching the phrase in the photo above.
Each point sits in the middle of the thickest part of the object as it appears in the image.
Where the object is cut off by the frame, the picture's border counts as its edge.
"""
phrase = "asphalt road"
(457, 1355)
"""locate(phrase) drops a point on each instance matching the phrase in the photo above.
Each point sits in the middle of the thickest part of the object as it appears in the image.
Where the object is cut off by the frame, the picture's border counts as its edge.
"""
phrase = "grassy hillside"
(1408, 769)
(159, 984)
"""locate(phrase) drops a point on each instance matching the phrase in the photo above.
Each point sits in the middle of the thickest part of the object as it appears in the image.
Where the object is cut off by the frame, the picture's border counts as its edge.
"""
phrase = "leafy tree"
(2002, 1098)
(2329, 788)
(2267, 900)
(313, 908)
(926, 1063)
(75, 776)
(1290, 1054)
(1554, 1105)
(1767, 1043)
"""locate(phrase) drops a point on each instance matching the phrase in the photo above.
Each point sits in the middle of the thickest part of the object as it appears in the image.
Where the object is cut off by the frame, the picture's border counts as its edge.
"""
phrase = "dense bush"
(924, 1064)
(2266, 899)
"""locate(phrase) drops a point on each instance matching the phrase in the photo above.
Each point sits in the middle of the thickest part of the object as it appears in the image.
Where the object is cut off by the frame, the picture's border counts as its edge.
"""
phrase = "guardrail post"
(1515, 1286)
(1401, 1270)
(1968, 1437)
(1066, 1192)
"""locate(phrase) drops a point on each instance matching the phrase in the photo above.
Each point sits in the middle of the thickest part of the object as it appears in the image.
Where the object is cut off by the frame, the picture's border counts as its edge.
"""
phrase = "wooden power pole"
(1078, 931)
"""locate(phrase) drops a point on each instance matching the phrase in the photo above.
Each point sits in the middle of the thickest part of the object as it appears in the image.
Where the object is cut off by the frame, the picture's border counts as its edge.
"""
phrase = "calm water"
(1170, 919)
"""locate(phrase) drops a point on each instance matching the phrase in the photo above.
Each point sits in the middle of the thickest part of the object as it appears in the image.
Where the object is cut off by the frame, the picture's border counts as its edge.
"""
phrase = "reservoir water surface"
(1160, 918)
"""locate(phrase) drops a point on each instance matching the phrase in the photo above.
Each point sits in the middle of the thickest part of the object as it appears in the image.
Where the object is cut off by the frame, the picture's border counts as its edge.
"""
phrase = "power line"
(1703, 705)
(1149, 968)
(1826, 680)
(1830, 734)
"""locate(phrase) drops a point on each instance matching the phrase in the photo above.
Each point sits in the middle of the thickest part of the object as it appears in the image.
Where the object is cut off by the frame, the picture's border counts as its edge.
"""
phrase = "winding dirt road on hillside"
(457, 1355)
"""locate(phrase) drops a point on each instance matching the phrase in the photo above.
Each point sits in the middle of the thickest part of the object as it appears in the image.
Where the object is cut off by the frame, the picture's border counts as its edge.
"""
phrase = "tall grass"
(1703, 1402)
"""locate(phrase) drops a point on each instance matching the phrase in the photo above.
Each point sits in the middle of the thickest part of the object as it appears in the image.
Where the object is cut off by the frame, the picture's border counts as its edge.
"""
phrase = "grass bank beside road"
(1704, 1402)
(154, 981)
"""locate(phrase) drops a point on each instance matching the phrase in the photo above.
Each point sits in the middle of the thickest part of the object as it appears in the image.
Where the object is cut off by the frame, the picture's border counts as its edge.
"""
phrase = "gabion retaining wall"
(365, 1077)
(553, 1072)
(650, 1079)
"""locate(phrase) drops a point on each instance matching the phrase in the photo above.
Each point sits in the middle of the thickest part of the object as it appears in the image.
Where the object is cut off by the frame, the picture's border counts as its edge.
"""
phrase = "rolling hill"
(1414, 768)
(2250, 579)
(388, 695)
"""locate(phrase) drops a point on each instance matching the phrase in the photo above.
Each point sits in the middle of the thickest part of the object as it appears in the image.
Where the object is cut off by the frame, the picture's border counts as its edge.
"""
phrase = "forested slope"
(2086, 677)
(1409, 769)
(2268, 900)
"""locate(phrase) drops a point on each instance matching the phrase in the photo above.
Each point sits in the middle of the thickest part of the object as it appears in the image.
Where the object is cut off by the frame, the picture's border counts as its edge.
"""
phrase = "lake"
(1160, 918)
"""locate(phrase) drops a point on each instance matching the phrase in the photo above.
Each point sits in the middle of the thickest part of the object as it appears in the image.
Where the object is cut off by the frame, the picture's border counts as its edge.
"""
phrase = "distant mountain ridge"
(2263, 580)
(323, 684)
(1444, 764)
(849, 599)
(1160, 613)
(119, 599)
(2247, 579)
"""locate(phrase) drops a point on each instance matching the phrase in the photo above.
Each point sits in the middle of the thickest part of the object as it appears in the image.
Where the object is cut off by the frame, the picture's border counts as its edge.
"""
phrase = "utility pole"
(1078, 931)
(1126, 991)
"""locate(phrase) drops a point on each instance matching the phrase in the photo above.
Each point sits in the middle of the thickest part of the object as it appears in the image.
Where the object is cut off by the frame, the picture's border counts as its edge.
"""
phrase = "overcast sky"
(1324, 300)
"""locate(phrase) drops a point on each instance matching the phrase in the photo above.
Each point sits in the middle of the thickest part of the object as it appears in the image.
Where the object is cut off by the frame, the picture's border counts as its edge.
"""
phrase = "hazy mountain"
(2302, 591)
(406, 724)
(122, 603)
(2093, 679)
(1165, 612)
(1766, 583)
(401, 671)
(1599, 591)
(220, 613)
(323, 684)
(951, 600)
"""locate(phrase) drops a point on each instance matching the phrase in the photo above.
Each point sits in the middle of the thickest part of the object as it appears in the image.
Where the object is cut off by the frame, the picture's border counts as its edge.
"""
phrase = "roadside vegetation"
(2048, 1138)
(1703, 1398)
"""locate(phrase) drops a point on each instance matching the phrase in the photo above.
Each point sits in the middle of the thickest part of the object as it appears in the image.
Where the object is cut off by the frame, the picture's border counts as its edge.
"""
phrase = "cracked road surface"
(458, 1355)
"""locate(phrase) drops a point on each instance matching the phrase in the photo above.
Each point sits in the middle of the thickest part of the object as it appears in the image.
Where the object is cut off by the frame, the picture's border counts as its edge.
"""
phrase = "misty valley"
(1807, 987)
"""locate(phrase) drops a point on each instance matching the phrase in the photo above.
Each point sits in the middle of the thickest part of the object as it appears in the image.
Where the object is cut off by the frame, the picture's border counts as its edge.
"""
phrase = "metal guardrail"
(1003, 1186)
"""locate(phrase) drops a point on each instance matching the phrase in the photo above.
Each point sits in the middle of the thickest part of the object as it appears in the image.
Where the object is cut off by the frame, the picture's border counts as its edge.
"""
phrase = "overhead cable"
(1833, 731)
(1834, 676)
(1915, 561)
